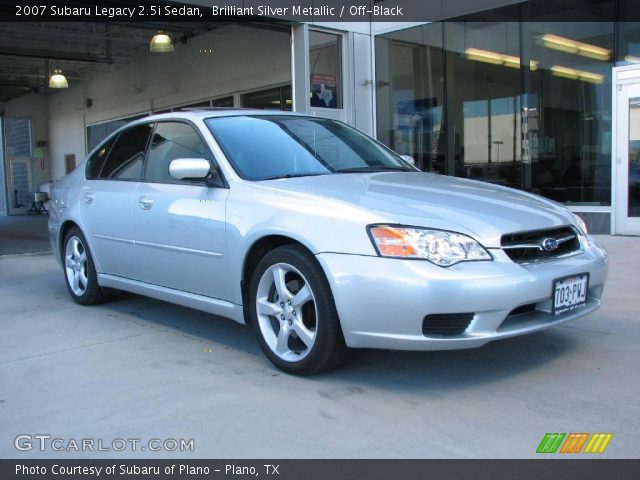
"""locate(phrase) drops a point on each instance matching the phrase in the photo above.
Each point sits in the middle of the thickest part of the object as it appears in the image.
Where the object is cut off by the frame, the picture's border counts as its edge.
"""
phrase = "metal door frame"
(622, 76)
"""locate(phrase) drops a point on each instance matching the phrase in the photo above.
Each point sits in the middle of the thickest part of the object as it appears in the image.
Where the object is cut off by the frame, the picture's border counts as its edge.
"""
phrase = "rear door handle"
(145, 203)
(88, 198)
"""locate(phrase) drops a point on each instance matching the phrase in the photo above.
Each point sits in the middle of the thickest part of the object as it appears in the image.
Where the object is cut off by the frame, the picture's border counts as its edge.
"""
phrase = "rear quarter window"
(96, 161)
(124, 161)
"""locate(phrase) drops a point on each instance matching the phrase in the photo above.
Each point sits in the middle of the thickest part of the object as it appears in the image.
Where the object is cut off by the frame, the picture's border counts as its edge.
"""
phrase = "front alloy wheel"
(293, 312)
(287, 313)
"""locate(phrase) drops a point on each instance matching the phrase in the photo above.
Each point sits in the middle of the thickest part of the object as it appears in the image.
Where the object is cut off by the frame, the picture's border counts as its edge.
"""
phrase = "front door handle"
(88, 198)
(145, 203)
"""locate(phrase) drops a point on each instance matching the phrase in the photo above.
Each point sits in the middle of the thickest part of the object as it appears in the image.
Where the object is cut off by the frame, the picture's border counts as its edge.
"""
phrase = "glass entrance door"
(628, 160)
(326, 62)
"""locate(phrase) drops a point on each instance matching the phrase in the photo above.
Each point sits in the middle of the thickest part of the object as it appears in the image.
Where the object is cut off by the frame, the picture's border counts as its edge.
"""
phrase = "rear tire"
(79, 270)
(293, 313)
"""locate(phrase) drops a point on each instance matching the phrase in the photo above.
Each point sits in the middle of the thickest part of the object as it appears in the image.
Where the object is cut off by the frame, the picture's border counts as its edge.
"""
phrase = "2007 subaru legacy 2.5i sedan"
(318, 236)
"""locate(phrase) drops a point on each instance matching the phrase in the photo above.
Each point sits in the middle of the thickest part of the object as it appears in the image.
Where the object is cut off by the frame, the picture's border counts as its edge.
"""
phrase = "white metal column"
(300, 76)
(626, 89)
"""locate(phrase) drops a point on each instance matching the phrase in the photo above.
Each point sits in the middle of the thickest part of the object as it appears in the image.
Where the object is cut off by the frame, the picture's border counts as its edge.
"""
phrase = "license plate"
(570, 293)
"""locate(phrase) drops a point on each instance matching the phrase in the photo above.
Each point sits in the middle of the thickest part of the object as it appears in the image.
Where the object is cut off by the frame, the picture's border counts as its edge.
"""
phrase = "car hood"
(483, 210)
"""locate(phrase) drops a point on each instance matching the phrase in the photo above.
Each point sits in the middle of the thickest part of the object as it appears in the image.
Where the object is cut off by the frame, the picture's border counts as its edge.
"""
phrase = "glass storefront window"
(203, 104)
(277, 98)
(224, 102)
(570, 122)
(410, 94)
(519, 96)
(629, 43)
(325, 62)
(633, 207)
(483, 100)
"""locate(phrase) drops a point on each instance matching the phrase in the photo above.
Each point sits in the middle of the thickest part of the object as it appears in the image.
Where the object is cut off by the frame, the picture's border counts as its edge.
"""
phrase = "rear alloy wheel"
(293, 313)
(79, 270)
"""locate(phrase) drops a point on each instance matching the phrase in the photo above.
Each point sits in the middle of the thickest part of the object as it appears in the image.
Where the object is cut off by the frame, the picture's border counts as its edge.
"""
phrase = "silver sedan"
(318, 237)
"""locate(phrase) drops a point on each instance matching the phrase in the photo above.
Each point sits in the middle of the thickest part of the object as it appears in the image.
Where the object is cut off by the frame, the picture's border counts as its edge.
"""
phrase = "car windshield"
(284, 146)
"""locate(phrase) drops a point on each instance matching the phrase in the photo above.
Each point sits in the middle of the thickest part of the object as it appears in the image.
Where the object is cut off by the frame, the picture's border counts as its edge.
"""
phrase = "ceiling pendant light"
(161, 43)
(58, 80)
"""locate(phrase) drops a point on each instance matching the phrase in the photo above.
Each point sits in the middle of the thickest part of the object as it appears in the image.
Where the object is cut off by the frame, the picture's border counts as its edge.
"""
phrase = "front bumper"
(382, 302)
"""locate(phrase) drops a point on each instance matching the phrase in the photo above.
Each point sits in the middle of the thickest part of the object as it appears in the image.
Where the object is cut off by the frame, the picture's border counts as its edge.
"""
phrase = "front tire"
(293, 312)
(79, 270)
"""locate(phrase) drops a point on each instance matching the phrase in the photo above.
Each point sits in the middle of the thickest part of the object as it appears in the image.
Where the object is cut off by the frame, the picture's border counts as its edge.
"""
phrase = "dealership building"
(539, 95)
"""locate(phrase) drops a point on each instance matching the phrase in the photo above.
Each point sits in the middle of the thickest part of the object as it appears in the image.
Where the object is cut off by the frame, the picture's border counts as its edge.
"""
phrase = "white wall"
(243, 58)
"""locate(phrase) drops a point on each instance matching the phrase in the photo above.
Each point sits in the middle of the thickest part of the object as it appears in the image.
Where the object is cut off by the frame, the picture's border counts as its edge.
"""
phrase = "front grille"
(537, 245)
(446, 324)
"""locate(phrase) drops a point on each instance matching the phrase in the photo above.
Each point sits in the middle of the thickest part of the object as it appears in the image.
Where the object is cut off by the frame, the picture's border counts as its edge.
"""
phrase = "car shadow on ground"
(418, 372)
(457, 369)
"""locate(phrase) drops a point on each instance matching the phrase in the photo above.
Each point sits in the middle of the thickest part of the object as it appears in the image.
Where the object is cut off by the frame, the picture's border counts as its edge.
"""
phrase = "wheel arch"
(64, 229)
(258, 249)
(334, 350)
(62, 233)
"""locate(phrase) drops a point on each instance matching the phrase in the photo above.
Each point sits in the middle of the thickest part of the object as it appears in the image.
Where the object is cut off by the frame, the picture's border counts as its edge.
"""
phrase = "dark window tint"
(125, 159)
(97, 133)
(278, 98)
(96, 161)
(223, 102)
(172, 140)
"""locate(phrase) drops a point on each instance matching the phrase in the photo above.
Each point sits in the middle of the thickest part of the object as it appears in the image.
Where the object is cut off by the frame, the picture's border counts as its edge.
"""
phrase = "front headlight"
(438, 246)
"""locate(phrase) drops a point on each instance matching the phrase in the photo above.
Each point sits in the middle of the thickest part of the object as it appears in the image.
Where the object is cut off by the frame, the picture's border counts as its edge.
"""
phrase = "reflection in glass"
(325, 64)
(224, 102)
(519, 96)
(283, 146)
(410, 94)
(483, 100)
(634, 158)
(570, 131)
(278, 98)
(628, 34)
(171, 140)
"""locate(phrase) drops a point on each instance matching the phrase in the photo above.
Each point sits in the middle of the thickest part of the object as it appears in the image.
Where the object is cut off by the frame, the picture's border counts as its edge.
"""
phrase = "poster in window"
(324, 90)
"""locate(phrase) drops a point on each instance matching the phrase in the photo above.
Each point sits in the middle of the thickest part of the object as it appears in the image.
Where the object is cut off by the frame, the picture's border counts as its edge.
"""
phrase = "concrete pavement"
(139, 368)
(24, 234)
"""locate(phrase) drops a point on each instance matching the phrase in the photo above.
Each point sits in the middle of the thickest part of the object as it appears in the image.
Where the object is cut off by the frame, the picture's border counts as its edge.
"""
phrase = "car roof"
(197, 113)
(192, 113)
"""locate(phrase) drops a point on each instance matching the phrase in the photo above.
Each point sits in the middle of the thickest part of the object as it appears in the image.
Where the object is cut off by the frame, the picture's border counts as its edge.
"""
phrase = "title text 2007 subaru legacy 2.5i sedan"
(317, 236)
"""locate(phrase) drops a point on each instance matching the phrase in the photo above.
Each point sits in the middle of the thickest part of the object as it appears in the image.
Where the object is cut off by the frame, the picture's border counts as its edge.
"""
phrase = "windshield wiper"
(379, 168)
(292, 175)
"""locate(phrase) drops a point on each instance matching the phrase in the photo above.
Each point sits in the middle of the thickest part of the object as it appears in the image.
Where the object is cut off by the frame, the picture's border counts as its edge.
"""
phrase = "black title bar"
(566, 469)
(314, 10)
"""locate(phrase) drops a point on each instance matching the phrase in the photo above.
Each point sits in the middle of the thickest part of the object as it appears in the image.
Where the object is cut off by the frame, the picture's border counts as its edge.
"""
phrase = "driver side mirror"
(194, 169)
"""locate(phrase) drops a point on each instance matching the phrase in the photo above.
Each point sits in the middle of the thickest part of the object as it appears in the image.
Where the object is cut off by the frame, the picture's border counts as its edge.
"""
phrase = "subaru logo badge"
(550, 244)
